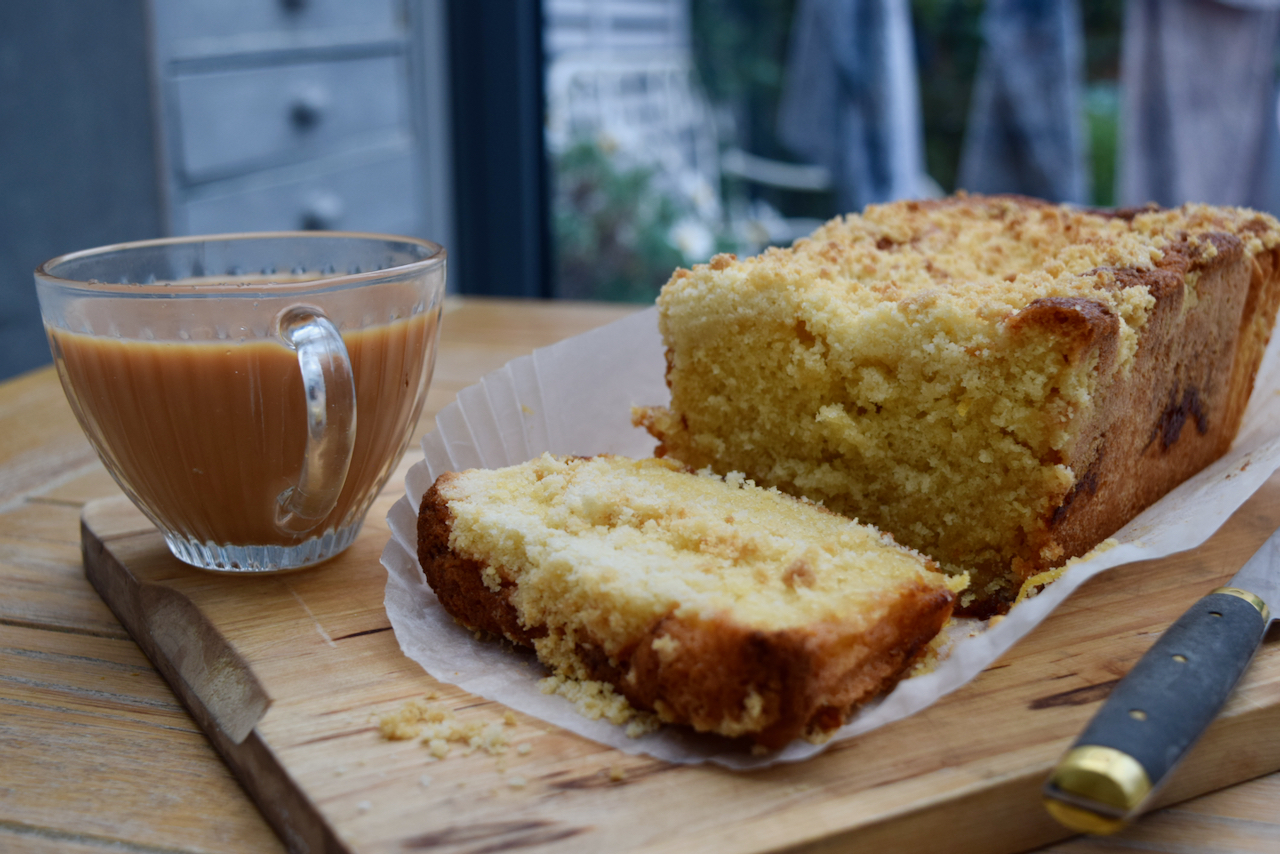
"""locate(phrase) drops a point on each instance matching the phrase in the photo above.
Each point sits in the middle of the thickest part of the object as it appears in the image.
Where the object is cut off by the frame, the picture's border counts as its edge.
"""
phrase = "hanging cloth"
(1198, 102)
(851, 101)
(1026, 131)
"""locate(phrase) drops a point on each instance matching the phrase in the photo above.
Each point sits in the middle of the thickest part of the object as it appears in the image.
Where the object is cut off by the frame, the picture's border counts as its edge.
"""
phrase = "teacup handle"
(330, 393)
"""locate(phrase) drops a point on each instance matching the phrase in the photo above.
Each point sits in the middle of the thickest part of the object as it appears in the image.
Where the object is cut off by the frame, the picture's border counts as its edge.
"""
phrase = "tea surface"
(209, 433)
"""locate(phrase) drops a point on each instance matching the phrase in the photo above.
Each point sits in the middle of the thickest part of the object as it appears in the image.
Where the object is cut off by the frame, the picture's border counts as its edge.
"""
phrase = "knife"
(1161, 707)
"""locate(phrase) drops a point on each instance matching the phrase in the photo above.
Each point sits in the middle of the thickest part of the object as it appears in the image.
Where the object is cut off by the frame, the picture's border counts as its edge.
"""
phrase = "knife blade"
(1154, 715)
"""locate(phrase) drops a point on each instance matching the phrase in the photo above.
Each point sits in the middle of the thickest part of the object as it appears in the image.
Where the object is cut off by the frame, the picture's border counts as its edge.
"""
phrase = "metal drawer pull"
(322, 212)
(308, 108)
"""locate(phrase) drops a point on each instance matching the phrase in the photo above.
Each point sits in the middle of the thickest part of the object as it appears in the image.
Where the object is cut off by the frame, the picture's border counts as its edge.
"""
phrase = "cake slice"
(711, 602)
(999, 382)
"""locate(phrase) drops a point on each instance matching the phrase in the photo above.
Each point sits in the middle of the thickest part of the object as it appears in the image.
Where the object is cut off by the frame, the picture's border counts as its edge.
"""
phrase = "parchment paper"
(575, 397)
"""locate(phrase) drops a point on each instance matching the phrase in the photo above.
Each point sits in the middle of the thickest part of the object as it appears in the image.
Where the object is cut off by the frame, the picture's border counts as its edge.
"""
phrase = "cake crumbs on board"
(440, 729)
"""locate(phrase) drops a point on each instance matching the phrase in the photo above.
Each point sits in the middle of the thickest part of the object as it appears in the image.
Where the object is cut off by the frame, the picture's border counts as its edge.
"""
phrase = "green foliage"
(740, 48)
(1103, 20)
(1102, 110)
(611, 228)
(948, 45)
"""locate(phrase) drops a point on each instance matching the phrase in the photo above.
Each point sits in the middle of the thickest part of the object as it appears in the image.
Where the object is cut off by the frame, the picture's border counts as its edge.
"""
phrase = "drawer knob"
(322, 212)
(306, 113)
(310, 101)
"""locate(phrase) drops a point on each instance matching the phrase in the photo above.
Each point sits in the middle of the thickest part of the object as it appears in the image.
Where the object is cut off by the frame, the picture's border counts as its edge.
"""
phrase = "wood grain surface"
(289, 675)
(98, 755)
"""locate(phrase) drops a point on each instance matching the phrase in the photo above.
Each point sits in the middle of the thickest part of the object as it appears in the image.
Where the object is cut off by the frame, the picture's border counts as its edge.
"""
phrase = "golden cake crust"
(705, 670)
(1181, 407)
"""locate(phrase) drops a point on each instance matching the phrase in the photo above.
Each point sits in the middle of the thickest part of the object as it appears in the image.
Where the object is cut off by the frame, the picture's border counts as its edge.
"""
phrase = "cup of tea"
(250, 393)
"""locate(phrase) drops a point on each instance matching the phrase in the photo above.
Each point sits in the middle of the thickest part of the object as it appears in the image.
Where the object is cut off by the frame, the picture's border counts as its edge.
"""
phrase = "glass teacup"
(250, 393)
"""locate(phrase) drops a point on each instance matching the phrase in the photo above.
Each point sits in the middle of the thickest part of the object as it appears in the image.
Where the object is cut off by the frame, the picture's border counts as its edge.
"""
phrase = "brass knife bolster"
(1094, 789)
(1253, 600)
(1156, 712)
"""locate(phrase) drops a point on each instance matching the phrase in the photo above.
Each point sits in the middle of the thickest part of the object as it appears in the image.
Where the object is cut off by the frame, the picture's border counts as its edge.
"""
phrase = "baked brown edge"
(457, 580)
(1182, 405)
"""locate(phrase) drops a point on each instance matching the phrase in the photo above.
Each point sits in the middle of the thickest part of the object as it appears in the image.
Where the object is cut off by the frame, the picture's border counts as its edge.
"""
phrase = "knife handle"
(1156, 713)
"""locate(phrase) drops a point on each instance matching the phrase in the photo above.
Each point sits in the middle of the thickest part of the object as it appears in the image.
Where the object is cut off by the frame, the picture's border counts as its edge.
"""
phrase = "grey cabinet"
(301, 114)
(139, 118)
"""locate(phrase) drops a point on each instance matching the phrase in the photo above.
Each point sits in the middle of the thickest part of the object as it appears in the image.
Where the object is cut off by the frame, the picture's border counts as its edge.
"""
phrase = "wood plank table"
(97, 755)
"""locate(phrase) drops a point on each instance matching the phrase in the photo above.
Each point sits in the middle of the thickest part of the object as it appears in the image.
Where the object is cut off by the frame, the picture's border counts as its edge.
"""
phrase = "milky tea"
(208, 427)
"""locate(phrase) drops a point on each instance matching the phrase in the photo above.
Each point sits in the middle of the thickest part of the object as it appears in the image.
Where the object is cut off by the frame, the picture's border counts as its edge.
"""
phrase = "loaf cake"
(709, 601)
(998, 382)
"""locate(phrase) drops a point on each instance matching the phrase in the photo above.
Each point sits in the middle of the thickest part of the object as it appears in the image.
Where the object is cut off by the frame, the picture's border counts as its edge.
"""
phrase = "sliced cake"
(710, 601)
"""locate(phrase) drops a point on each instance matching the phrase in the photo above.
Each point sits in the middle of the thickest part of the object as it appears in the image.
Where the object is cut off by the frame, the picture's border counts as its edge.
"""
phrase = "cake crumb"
(1037, 583)
(815, 735)
(934, 652)
(1034, 585)
(642, 725)
(524, 748)
(596, 700)
(517, 782)
(666, 647)
(439, 728)
(364, 806)
(616, 773)
(424, 781)
(404, 724)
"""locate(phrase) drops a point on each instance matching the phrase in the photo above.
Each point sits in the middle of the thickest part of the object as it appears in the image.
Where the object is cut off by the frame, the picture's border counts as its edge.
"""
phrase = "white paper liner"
(575, 397)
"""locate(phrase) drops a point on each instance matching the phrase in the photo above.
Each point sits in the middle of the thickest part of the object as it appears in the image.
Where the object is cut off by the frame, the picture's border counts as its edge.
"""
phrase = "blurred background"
(583, 149)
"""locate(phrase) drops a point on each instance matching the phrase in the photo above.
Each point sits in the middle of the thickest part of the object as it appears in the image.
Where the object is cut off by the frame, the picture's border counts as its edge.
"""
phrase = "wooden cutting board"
(290, 674)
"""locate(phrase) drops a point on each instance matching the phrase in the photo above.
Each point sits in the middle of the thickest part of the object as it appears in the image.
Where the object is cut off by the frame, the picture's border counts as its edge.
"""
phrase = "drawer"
(197, 28)
(376, 192)
(230, 121)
